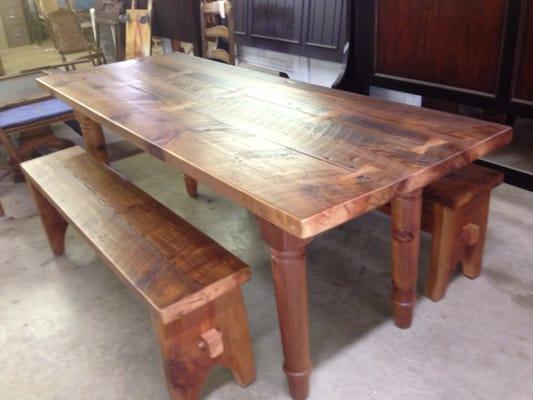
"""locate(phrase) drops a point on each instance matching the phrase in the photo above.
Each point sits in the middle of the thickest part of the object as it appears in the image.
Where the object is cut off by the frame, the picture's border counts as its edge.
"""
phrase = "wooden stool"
(455, 213)
(191, 284)
(456, 210)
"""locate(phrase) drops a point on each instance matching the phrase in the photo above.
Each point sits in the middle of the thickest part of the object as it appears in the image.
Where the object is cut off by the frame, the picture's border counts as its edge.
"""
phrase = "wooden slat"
(302, 157)
(172, 265)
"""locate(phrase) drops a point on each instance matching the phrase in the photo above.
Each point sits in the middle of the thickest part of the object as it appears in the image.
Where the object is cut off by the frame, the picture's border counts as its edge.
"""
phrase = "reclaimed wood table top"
(302, 157)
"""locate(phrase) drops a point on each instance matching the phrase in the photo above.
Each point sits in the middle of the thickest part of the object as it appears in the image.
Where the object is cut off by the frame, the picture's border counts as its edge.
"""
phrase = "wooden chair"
(34, 112)
(190, 283)
(212, 31)
(67, 34)
(455, 213)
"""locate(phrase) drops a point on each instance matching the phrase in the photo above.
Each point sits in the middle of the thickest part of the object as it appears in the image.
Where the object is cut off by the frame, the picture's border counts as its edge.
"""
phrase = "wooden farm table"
(302, 158)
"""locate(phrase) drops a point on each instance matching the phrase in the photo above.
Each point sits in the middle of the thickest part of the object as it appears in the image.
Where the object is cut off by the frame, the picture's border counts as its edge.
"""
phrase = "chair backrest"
(66, 31)
(211, 12)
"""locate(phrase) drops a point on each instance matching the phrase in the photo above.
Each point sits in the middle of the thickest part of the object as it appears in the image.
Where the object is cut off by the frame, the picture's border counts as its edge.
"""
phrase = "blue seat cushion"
(29, 113)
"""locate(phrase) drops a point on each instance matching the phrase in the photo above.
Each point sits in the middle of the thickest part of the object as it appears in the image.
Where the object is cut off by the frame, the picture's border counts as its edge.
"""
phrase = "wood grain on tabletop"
(303, 157)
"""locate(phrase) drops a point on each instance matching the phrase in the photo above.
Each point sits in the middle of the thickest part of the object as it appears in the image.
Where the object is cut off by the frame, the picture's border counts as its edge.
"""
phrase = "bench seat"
(191, 283)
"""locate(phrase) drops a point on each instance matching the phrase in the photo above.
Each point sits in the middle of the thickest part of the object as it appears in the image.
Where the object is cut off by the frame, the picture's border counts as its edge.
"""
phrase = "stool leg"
(215, 334)
(54, 224)
(444, 250)
(473, 254)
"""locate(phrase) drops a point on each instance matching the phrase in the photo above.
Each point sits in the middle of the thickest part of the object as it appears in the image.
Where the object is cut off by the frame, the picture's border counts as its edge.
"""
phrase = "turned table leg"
(93, 137)
(406, 213)
(191, 185)
(289, 270)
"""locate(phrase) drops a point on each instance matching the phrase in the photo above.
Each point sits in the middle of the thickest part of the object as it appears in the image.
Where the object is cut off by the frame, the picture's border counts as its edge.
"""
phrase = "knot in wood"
(403, 236)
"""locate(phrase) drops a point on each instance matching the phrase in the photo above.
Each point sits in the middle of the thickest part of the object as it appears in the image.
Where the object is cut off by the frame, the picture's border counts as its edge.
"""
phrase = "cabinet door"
(454, 43)
(240, 13)
(325, 23)
(279, 20)
(523, 83)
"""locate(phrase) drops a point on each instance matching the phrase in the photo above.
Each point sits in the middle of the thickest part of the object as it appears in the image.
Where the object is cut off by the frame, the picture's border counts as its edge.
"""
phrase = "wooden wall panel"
(441, 41)
(324, 25)
(279, 20)
(524, 76)
(239, 12)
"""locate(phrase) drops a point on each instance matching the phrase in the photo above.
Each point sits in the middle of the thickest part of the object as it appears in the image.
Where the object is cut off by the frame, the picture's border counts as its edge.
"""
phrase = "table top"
(305, 158)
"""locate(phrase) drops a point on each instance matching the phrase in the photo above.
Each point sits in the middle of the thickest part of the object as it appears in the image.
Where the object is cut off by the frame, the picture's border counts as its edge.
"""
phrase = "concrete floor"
(70, 330)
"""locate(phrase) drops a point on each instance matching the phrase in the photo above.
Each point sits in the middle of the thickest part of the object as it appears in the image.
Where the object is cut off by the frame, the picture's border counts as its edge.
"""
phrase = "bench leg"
(191, 185)
(445, 248)
(54, 224)
(406, 213)
(215, 334)
(93, 137)
(475, 238)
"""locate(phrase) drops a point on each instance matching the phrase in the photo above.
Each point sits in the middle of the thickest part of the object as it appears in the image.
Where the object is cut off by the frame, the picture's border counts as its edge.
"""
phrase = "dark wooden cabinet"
(441, 42)
(313, 28)
(476, 52)
(472, 52)
(523, 82)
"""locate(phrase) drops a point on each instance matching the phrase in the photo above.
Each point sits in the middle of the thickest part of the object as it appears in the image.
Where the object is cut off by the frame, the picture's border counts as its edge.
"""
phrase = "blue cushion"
(26, 114)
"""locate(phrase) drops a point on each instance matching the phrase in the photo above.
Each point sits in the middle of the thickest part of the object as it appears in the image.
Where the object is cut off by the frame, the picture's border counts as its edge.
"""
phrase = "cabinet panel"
(324, 25)
(454, 42)
(279, 20)
(524, 75)
(239, 12)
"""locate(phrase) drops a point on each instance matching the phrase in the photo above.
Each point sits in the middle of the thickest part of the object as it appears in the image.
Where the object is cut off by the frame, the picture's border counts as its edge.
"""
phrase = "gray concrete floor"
(70, 330)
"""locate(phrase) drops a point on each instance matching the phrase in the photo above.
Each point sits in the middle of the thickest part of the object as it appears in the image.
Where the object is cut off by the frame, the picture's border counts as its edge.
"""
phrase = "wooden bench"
(455, 213)
(191, 283)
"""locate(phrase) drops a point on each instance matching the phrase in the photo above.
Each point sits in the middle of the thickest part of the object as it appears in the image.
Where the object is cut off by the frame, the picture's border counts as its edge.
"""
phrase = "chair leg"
(11, 152)
(215, 334)
(444, 250)
(473, 248)
(191, 185)
(54, 224)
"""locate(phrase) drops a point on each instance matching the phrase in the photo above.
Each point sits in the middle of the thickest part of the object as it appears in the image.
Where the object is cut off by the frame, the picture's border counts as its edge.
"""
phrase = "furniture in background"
(455, 212)
(109, 30)
(26, 114)
(309, 28)
(477, 53)
(304, 159)
(212, 16)
(138, 30)
(69, 38)
(191, 284)
(14, 23)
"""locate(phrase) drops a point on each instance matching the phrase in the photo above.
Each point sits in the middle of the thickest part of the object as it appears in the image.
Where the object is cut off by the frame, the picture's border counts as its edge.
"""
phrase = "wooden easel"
(138, 30)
